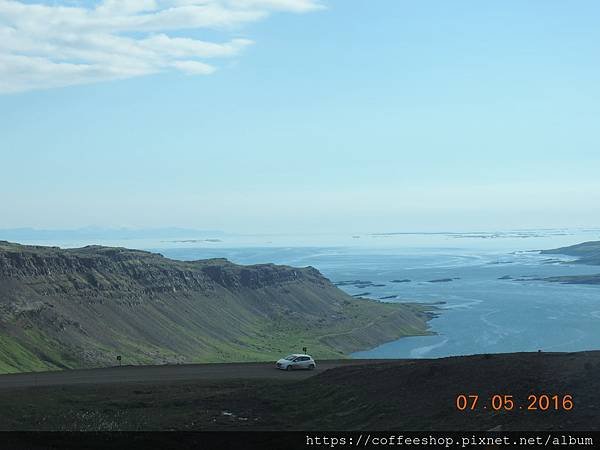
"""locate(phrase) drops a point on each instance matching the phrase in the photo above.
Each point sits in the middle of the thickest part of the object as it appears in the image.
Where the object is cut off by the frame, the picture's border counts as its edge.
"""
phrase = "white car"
(297, 361)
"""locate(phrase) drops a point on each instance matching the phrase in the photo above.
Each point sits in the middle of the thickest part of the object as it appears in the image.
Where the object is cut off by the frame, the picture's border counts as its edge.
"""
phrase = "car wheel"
(289, 368)
(311, 367)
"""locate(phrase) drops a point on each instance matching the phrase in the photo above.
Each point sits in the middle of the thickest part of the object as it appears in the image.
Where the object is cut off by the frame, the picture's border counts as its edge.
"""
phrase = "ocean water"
(478, 311)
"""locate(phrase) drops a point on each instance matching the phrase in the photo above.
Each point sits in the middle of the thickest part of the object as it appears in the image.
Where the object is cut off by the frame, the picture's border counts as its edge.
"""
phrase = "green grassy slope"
(83, 307)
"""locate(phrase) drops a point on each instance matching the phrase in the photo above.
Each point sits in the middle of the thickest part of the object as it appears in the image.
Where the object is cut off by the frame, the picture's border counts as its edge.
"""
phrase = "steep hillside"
(66, 308)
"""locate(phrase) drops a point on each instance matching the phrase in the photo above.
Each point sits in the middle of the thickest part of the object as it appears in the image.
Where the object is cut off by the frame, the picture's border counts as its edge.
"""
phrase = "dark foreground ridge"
(392, 395)
(73, 308)
(586, 253)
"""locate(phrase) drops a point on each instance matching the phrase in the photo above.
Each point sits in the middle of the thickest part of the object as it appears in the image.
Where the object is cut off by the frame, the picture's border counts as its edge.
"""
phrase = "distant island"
(95, 234)
(586, 253)
(72, 308)
(443, 280)
(575, 279)
(194, 241)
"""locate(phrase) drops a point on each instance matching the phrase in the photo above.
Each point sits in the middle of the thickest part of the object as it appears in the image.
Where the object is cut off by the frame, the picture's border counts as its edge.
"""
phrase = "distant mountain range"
(67, 308)
(90, 233)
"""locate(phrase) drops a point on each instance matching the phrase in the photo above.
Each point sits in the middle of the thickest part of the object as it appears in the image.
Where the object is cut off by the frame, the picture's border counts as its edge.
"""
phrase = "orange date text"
(504, 402)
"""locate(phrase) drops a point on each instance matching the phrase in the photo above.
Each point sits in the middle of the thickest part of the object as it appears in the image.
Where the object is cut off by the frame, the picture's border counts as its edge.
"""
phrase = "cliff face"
(103, 267)
(83, 307)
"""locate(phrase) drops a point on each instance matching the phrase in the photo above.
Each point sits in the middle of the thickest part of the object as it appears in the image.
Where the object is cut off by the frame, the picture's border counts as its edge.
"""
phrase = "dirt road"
(167, 373)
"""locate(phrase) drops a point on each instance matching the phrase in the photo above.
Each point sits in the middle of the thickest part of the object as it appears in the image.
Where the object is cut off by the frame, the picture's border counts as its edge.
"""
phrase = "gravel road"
(167, 373)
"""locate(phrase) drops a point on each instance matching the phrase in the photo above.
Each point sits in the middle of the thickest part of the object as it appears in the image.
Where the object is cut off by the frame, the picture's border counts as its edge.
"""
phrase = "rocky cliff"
(63, 308)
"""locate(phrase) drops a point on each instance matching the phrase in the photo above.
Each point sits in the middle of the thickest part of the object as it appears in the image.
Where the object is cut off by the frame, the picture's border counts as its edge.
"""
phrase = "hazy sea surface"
(480, 313)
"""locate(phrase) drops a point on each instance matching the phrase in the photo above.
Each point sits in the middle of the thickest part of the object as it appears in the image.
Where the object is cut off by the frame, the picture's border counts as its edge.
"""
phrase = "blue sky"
(340, 115)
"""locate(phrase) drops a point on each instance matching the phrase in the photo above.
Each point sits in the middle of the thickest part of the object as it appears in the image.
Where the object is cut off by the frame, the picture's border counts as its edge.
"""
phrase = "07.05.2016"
(501, 402)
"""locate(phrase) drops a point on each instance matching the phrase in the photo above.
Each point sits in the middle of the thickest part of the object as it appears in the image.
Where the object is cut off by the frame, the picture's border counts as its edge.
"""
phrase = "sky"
(300, 115)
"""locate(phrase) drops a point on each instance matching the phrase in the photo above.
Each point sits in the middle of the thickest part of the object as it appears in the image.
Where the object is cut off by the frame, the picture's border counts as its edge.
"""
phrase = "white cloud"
(53, 45)
(193, 67)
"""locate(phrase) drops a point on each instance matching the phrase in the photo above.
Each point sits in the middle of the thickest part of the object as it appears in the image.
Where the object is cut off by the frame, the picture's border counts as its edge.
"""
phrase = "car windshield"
(290, 358)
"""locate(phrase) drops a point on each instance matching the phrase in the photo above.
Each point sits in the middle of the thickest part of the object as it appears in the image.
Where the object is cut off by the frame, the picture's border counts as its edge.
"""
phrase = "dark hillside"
(368, 395)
